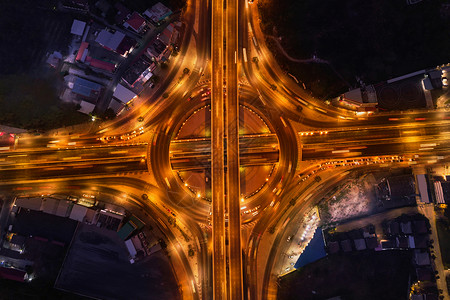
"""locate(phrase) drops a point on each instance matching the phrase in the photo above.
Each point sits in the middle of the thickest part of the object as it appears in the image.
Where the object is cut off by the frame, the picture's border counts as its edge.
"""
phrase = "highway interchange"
(123, 159)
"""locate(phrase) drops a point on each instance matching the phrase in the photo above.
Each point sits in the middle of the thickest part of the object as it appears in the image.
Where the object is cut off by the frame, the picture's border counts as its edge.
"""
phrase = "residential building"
(157, 13)
(78, 27)
(117, 42)
(86, 107)
(132, 75)
(135, 22)
(110, 41)
(87, 89)
(123, 94)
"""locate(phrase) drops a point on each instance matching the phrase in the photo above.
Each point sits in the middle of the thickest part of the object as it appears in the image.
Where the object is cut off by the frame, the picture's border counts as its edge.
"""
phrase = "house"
(29, 203)
(122, 13)
(421, 241)
(421, 258)
(50, 205)
(123, 94)
(155, 50)
(135, 22)
(406, 227)
(394, 228)
(168, 35)
(100, 64)
(402, 242)
(86, 107)
(87, 89)
(78, 213)
(117, 42)
(110, 41)
(116, 105)
(54, 59)
(157, 13)
(133, 73)
(82, 52)
(78, 27)
(346, 245)
(63, 207)
(420, 226)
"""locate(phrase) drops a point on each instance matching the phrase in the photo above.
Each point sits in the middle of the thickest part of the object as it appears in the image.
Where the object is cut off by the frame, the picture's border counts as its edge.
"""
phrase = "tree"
(273, 87)
(165, 95)
(186, 71)
(255, 60)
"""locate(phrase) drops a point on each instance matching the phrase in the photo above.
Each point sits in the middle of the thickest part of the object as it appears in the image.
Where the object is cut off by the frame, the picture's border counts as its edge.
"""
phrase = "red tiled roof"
(83, 47)
(12, 274)
(136, 21)
(100, 64)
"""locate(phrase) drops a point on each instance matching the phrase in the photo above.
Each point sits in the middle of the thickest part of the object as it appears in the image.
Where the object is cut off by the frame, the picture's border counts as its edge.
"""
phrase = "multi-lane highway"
(304, 131)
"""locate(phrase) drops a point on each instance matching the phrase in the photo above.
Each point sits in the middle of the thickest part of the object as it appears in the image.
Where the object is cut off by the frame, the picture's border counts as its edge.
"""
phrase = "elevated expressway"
(111, 168)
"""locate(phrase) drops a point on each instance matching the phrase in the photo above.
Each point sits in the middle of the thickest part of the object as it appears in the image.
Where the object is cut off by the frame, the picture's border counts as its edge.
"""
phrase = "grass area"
(16, 290)
(360, 275)
(443, 230)
(372, 40)
(31, 103)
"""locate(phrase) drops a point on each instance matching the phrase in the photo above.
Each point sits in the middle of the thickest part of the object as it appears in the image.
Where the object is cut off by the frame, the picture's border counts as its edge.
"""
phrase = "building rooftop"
(157, 13)
(123, 94)
(136, 22)
(78, 27)
(86, 88)
(110, 41)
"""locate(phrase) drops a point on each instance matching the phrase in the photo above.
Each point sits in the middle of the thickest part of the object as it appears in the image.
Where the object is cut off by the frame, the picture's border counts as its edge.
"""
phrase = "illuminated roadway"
(72, 163)
(217, 153)
(235, 285)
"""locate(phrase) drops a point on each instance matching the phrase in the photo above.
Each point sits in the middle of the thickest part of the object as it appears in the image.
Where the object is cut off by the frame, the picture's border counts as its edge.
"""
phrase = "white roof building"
(78, 212)
(78, 27)
(110, 40)
(130, 248)
(30, 203)
(86, 107)
(116, 105)
(123, 94)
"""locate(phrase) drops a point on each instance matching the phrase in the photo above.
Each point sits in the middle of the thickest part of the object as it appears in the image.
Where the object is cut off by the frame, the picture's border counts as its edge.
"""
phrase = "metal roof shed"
(123, 94)
(78, 27)
(78, 212)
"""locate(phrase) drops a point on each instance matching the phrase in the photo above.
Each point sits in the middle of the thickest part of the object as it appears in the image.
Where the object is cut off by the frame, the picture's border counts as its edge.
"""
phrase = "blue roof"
(85, 87)
(314, 251)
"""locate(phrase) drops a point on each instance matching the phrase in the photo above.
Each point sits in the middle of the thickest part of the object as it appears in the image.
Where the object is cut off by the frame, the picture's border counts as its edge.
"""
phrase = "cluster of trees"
(31, 103)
